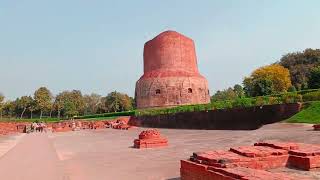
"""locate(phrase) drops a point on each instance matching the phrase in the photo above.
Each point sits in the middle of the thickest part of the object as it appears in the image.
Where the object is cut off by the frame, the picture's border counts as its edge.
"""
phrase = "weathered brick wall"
(233, 119)
(12, 127)
(171, 75)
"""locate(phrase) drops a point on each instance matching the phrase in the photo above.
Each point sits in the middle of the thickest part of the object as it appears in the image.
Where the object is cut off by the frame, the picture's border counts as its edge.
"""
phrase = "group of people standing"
(38, 127)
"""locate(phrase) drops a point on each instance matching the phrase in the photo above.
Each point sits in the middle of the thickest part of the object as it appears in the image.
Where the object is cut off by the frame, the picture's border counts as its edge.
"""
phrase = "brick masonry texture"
(150, 138)
(222, 119)
(12, 127)
(251, 162)
(171, 76)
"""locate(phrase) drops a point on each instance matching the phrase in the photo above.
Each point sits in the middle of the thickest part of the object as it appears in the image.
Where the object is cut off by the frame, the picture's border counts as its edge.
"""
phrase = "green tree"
(71, 103)
(43, 98)
(238, 89)
(1, 104)
(59, 103)
(9, 108)
(92, 103)
(116, 101)
(32, 107)
(314, 82)
(70, 109)
(227, 94)
(300, 65)
(23, 104)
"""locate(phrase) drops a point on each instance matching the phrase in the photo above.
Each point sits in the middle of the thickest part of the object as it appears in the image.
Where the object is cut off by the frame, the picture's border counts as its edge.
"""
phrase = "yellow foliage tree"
(275, 75)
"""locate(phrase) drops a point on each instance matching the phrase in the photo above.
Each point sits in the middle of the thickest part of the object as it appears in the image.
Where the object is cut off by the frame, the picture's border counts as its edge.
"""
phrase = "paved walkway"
(34, 157)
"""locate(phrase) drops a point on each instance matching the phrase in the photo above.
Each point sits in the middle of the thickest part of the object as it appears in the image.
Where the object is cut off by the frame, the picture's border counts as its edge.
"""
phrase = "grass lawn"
(310, 114)
(30, 120)
(100, 118)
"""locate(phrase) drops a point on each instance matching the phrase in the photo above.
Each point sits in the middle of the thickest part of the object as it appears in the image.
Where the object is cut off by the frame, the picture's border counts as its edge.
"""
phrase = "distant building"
(171, 76)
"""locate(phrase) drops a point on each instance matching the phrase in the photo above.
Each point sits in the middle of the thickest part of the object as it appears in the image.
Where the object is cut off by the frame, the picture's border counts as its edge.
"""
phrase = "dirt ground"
(108, 153)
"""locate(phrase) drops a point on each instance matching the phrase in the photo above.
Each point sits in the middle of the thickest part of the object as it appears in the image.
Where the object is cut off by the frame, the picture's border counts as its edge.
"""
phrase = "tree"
(59, 103)
(238, 89)
(223, 95)
(229, 94)
(76, 98)
(1, 104)
(314, 82)
(116, 101)
(300, 65)
(23, 104)
(267, 80)
(9, 108)
(92, 103)
(32, 107)
(43, 98)
(71, 103)
(70, 109)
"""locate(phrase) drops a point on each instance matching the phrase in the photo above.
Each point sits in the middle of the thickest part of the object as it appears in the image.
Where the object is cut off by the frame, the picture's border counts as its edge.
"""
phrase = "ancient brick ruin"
(150, 139)
(251, 162)
(171, 76)
(7, 128)
(65, 126)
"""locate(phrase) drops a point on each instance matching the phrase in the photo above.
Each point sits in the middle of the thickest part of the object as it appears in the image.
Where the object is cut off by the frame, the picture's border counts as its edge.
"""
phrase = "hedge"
(114, 114)
(312, 96)
(289, 97)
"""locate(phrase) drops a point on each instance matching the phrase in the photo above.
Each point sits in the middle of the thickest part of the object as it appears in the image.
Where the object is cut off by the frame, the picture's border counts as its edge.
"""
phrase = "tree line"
(293, 72)
(64, 105)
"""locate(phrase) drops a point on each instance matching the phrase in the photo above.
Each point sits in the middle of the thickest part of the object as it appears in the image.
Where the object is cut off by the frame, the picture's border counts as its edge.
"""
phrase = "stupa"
(171, 76)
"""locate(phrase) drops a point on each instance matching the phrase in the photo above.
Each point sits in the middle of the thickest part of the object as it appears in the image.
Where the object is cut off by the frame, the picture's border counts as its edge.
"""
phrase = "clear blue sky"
(97, 45)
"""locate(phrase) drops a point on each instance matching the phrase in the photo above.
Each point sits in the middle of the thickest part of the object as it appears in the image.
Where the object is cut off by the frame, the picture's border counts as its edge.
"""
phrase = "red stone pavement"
(107, 154)
(32, 158)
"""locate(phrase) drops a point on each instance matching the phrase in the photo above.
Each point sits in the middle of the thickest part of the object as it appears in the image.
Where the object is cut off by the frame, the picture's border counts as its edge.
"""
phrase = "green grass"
(310, 114)
(30, 120)
(99, 118)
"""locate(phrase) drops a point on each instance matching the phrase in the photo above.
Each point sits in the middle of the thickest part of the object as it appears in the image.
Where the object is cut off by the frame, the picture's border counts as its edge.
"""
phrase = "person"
(34, 127)
(43, 127)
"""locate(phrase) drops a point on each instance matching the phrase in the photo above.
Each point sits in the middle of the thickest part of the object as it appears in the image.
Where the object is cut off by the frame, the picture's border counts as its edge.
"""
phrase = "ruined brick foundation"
(251, 162)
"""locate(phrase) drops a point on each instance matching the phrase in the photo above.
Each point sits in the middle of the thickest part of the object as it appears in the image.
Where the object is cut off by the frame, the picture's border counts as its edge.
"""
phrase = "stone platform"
(150, 139)
(251, 162)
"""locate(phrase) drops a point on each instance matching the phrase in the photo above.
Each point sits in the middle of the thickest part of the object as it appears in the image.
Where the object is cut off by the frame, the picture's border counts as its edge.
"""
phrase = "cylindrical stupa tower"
(171, 76)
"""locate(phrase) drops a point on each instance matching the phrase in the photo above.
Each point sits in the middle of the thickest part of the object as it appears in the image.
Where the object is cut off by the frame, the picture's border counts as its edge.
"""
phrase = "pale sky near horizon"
(97, 45)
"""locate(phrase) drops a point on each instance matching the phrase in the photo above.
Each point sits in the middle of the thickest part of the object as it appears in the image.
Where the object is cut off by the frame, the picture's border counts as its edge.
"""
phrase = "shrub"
(259, 101)
(243, 102)
(221, 105)
(275, 100)
(312, 96)
(114, 114)
(291, 98)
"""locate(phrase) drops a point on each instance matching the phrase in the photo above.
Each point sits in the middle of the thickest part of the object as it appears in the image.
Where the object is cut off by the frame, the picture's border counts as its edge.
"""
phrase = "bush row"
(291, 97)
(113, 114)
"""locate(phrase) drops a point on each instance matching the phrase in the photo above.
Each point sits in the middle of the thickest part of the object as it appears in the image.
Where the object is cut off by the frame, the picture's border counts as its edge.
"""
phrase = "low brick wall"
(224, 119)
(12, 127)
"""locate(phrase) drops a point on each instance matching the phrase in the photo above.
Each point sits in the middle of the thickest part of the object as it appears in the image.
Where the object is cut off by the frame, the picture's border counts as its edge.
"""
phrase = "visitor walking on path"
(43, 127)
(34, 127)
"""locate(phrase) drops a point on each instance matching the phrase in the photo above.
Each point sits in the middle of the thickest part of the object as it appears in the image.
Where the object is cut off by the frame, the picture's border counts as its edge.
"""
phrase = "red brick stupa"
(171, 76)
(149, 139)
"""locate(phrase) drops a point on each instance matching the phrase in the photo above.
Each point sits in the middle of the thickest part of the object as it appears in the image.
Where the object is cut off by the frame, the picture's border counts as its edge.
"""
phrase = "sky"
(97, 45)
